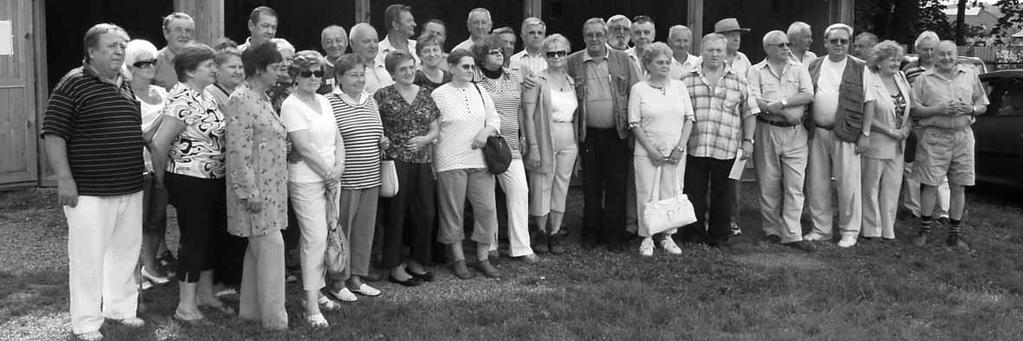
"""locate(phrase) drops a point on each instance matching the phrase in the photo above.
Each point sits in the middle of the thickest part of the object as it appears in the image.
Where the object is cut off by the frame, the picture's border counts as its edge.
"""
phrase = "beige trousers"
(831, 157)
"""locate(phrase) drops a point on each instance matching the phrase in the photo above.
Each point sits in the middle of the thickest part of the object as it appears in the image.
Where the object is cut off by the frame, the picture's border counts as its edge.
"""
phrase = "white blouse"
(463, 113)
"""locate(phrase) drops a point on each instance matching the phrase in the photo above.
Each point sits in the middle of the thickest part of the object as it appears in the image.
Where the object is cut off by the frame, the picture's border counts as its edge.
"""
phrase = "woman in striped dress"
(505, 88)
(363, 133)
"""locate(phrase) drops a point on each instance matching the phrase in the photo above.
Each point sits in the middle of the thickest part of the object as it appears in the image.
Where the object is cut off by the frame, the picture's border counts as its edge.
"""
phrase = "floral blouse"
(256, 163)
(199, 150)
(403, 120)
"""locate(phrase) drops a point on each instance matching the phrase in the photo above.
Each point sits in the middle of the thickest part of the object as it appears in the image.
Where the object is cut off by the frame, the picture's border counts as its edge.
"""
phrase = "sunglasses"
(307, 74)
(467, 67)
(494, 52)
(782, 45)
(143, 64)
(838, 41)
(555, 54)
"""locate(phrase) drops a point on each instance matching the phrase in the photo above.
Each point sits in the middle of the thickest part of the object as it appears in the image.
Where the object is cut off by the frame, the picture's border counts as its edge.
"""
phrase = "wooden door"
(18, 126)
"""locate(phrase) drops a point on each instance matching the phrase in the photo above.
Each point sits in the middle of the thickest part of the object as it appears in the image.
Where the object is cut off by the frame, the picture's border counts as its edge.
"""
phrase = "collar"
(690, 60)
(525, 54)
(88, 70)
(934, 71)
(363, 96)
(385, 44)
(765, 63)
(699, 70)
(587, 57)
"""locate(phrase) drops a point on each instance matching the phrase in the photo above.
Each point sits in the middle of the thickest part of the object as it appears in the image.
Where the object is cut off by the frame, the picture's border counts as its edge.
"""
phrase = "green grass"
(758, 291)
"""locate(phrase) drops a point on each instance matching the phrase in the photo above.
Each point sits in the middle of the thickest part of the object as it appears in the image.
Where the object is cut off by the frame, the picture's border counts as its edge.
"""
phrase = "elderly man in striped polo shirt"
(93, 137)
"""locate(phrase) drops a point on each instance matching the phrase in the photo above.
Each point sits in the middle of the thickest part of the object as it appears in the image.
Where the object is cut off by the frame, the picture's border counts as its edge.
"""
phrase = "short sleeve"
(754, 82)
(293, 117)
(870, 81)
(60, 113)
(805, 81)
(635, 100)
(916, 97)
(749, 105)
(687, 104)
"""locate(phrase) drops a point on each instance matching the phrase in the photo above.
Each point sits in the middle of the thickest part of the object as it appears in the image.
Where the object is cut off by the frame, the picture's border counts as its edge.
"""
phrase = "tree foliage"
(902, 20)
(1012, 17)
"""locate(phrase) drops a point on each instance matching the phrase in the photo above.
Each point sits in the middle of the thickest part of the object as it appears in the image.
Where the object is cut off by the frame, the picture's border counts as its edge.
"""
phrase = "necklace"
(662, 87)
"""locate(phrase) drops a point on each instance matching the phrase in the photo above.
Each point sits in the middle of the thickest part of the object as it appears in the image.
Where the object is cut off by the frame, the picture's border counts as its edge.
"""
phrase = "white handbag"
(665, 214)
(388, 179)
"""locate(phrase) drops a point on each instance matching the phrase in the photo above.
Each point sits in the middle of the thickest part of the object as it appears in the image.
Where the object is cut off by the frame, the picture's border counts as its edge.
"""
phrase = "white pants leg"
(871, 187)
(513, 183)
(309, 200)
(847, 177)
(888, 201)
(818, 184)
(671, 177)
(104, 241)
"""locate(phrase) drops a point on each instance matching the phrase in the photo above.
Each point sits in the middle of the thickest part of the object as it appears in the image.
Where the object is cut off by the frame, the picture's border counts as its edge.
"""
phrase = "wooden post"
(695, 23)
(532, 8)
(842, 11)
(42, 89)
(208, 16)
(362, 11)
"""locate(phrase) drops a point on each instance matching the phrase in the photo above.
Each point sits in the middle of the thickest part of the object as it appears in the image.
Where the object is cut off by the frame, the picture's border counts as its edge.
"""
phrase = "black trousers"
(702, 172)
(605, 161)
(201, 206)
(408, 217)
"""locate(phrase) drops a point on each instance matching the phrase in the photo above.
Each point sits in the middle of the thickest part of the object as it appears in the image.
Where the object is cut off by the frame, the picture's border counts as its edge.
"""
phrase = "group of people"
(258, 146)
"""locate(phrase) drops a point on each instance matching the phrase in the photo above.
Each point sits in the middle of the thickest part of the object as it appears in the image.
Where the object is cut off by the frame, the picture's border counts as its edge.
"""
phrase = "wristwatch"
(866, 133)
(784, 103)
(748, 140)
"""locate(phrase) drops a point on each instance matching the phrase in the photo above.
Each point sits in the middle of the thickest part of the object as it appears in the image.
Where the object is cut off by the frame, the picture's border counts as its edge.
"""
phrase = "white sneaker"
(646, 248)
(847, 241)
(813, 236)
(345, 295)
(669, 245)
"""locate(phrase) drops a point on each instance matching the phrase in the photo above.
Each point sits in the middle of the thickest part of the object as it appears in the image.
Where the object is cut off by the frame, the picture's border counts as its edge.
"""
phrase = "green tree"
(1012, 18)
(902, 20)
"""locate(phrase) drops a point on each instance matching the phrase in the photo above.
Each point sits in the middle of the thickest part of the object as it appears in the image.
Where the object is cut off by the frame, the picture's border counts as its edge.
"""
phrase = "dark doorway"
(567, 16)
(67, 21)
(453, 13)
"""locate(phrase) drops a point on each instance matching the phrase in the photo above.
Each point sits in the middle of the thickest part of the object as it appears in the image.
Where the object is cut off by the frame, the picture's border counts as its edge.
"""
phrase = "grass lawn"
(757, 291)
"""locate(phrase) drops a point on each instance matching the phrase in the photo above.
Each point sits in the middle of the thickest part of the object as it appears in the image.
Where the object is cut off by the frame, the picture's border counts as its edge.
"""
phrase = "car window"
(1007, 97)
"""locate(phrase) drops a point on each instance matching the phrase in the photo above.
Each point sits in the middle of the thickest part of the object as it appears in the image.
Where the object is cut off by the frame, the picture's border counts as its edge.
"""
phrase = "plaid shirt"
(719, 113)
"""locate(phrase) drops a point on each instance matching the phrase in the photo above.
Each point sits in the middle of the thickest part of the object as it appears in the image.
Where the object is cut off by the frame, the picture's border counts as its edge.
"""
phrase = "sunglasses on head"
(838, 41)
(145, 63)
(307, 74)
(554, 54)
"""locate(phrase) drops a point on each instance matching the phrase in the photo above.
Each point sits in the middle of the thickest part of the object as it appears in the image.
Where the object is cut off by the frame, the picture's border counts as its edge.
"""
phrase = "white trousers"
(829, 157)
(309, 201)
(881, 179)
(516, 191)
(104, 242)
(671, 178)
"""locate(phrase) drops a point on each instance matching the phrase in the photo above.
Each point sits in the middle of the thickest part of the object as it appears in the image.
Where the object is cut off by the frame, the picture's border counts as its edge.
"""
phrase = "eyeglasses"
(467, 67)
(145, 64)
(781, 45)
(494, 52)
(307, 74)
(555, 54)
(838, 41)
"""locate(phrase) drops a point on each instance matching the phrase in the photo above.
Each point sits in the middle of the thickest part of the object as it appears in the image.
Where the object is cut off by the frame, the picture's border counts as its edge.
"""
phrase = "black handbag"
(496, 152)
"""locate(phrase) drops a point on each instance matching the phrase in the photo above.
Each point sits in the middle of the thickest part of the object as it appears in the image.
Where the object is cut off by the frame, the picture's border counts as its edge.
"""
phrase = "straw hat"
(728, 25)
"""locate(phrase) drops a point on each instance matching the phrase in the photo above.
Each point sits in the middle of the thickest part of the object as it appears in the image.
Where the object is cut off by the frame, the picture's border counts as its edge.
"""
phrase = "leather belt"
(782, 124)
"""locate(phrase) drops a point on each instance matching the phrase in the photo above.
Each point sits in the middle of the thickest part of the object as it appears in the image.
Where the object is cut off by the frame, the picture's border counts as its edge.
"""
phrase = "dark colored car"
(999, 131)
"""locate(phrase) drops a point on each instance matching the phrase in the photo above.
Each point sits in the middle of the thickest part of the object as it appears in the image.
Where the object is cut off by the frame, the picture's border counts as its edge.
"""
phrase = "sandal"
(317, 321)
(191, 322)
(327, 304)
(94, 335)
(220, 306)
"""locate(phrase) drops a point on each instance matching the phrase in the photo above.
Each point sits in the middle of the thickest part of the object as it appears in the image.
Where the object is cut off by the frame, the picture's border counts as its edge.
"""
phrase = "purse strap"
(655, 194)
(482, 101)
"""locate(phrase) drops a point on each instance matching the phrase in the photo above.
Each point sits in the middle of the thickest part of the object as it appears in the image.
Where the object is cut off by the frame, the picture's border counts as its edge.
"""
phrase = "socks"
(925, 224)
(954, 229)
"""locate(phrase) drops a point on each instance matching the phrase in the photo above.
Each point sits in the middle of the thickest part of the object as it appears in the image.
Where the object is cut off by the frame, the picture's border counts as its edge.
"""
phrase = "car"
(976, 62)
(998, 132)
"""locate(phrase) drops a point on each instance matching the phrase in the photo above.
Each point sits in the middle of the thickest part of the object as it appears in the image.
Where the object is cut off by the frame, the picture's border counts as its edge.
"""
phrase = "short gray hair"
(770, 36)
(478, 10)
(532, 21)
(653, 51)
(712, 37)
(595, 20)
(884, 50)
(799, 27)
(838, 26)
(557, 38)
(678, 29)
(619, 17)
(175, 16)
(924, 36)
(358, 29)
(333, 28)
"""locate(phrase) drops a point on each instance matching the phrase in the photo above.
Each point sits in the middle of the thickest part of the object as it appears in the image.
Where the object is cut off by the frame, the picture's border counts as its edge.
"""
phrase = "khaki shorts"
(942, 152)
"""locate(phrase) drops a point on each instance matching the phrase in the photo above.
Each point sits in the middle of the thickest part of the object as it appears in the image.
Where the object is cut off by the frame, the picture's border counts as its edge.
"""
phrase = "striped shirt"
(361, 130)
(102, 126)
(719, 112)
(506, 92)
(462, 115)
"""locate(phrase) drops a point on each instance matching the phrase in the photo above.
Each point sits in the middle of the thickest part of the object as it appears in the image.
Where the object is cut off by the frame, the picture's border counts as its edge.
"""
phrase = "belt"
(829, 127)
(782, 124)
(570, 122)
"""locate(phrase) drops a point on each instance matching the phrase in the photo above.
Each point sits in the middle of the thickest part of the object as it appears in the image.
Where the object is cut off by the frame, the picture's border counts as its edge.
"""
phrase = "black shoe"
(773, 239)
(554, 243)
(800, 245)
(540, 245)
(956, 242)
(411, 282)
(425, 277)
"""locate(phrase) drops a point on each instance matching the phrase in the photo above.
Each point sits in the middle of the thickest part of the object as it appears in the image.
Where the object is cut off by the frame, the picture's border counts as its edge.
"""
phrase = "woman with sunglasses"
(140, 64)
(409, 117)
(257, 175)
(467, 118)
(357, 117)
(505, 89)
(549, 127)
(313, 181)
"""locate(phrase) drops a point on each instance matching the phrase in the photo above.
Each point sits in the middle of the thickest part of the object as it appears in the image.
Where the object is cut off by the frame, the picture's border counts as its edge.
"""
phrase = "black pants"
(605, 161)
(701, 172)
(408, 217)
(229, 259)
(201, 206)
